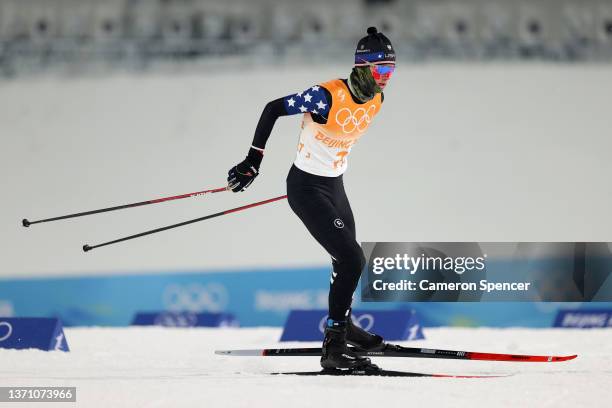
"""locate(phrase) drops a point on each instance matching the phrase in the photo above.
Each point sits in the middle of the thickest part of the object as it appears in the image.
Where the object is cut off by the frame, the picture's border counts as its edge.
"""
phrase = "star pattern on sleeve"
(312, 100)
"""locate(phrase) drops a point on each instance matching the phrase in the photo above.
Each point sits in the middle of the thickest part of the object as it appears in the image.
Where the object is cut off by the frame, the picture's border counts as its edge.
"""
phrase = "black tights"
(323, 207)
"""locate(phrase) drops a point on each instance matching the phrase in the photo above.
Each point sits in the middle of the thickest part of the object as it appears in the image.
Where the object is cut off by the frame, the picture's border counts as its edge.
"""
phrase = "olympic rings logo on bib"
(358, 120)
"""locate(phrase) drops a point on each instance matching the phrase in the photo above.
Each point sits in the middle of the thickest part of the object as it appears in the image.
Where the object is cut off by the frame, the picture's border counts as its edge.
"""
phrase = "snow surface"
(170, 367)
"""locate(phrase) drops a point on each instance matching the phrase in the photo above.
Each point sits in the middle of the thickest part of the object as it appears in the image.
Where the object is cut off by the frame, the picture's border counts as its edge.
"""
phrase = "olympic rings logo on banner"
(195, 297)
(358, 120)
(9, 330)
(173, 319)
(365, 321)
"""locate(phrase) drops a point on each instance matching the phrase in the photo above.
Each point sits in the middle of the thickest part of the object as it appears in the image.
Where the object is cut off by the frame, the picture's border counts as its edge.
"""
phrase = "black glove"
(242, 175)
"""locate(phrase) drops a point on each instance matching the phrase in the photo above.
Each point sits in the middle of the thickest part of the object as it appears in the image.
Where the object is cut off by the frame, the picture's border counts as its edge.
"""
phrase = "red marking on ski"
(518, 357)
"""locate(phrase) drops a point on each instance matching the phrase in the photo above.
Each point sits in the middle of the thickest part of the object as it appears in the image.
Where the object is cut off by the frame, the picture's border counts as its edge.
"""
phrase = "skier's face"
(382, 73)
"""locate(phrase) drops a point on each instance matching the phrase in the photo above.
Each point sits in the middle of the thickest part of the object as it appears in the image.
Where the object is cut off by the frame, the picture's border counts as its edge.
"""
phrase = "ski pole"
(87, 247)
(27, 223)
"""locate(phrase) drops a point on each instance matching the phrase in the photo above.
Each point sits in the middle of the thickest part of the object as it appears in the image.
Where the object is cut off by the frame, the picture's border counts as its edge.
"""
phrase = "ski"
(392, 350)
(384, 373)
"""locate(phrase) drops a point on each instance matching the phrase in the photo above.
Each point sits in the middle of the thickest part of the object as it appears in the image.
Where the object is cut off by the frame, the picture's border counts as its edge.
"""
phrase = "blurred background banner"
(495, 128)
(260, 297)
(581, 319)
(396, 325)
(32, 333)
(255, 297)
(185, 319)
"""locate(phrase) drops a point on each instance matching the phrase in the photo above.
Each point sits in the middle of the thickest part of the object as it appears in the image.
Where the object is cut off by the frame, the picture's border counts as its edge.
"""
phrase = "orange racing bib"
(323, 149)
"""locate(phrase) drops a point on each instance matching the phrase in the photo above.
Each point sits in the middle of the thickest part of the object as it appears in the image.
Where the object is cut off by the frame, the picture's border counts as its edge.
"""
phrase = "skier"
(335, 115)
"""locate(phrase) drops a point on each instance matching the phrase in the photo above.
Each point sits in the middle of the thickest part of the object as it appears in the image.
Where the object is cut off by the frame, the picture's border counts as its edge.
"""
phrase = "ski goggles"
(380, 70)
(384, 69)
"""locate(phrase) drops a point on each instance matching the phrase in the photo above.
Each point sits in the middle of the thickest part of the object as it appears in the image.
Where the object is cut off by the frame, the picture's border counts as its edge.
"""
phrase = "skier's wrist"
(255, 156)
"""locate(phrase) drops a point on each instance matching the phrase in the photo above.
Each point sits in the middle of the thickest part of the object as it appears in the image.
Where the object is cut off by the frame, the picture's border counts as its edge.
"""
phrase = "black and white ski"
(391, 350)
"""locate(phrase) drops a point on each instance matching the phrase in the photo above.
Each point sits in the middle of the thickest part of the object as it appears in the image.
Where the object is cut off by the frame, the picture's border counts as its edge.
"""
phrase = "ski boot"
(364, 340)
(335, 353)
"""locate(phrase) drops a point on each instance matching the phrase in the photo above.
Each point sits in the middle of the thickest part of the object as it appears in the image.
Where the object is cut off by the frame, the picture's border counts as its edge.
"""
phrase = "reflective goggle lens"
(384, 69)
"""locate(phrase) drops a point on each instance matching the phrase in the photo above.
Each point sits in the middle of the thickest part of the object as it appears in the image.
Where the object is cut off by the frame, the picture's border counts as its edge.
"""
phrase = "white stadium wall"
(459, 153)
